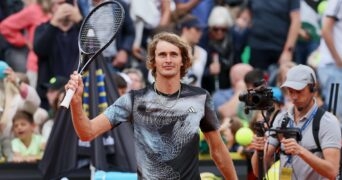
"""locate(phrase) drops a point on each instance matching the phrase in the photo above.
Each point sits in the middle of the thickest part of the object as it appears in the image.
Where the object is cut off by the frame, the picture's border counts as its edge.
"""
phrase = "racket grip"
(67, 98)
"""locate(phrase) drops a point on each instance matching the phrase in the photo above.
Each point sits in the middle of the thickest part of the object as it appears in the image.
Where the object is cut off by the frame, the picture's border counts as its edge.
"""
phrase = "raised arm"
(86, 129)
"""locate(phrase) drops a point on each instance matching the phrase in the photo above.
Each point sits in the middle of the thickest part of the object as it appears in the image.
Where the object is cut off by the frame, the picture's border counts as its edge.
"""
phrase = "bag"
(315, 131)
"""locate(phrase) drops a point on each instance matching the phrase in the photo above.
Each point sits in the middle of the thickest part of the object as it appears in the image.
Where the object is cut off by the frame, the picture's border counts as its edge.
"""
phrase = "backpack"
(315, 131)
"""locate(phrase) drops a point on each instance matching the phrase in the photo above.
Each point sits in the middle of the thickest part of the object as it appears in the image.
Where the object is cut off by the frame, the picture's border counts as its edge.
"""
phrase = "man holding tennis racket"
(166, 116)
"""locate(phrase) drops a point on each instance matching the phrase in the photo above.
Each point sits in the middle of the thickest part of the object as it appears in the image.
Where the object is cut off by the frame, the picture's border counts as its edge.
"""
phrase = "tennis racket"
(97, 32)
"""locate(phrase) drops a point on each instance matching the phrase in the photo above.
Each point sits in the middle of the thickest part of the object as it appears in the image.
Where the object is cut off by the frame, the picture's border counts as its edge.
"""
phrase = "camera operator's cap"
(56, 83)
(299, 76)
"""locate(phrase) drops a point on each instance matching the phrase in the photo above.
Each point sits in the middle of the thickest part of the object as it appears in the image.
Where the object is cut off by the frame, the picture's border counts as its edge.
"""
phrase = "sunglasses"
(222, 29)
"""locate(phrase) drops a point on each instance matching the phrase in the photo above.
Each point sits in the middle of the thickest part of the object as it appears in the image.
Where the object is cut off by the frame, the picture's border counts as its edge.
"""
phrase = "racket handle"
(67, 98)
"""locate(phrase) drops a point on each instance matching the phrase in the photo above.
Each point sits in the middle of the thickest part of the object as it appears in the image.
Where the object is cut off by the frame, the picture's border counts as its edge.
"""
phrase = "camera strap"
(308, 120)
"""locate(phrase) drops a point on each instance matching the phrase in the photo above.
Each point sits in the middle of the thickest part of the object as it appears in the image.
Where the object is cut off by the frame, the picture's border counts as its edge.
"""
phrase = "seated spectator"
(27, 146)
(234, 107)
(55, 93)
(136, 77)
(5, 148)
(15, 94)
(228, 129)
(237, 73)
(121, 83)
(221, 52)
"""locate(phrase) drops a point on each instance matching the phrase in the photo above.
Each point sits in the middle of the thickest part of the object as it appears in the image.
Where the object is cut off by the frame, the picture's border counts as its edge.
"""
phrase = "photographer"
(298, 160)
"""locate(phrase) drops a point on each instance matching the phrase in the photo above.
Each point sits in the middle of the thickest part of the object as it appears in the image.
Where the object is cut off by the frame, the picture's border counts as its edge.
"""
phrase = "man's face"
(300, 98)
(193, 35)
(168, 60)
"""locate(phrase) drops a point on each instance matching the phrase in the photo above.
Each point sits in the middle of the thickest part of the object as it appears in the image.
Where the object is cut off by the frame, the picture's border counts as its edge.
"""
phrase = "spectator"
(309, 34)
(198, 8)
(329, 69)
(27, 146)
(191, 31)
(220, 51)
(6, 153)
(15, 94)
(121, 83)
(228, 129)
(145, 23)
(274, 31)
(55, 93)
(33, 14)
(55, 44)
(236, 75)
(136, 77)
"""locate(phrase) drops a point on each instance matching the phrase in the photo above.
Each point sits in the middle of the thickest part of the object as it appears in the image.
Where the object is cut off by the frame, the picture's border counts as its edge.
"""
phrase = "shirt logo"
(192, 110)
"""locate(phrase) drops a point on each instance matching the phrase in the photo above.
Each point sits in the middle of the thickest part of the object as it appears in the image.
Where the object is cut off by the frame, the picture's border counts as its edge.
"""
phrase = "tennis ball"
(321, 7)
(244, 136)
(3, 66)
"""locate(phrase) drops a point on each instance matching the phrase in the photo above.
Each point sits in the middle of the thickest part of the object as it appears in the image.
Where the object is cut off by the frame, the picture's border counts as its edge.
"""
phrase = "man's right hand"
(258, 143)
(75, 83)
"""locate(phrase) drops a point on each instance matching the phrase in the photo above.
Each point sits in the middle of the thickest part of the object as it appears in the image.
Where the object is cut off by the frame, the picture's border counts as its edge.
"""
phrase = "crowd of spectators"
(236, 44)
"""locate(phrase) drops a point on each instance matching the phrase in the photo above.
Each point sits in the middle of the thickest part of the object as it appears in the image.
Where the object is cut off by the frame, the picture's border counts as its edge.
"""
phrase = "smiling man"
(166, 116)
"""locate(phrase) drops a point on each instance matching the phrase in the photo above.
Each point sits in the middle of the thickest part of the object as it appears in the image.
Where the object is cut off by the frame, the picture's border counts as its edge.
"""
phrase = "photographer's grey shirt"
(329, 137)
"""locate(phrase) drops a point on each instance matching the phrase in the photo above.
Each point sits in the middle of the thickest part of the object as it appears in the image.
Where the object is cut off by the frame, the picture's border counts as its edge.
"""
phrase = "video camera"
(287, 132)
(260, 98)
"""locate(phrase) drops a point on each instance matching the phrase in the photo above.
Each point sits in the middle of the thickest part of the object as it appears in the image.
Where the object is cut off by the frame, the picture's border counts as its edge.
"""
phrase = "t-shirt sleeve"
(329, 132)
(210, 121)
(334, 9)
(120, 110)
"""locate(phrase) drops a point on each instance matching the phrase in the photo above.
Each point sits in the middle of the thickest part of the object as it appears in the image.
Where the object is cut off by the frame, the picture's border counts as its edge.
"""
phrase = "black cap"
(56, 83)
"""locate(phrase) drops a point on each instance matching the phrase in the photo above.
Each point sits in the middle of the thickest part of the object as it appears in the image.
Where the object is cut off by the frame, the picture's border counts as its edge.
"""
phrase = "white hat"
(220, 16)
(299, 76)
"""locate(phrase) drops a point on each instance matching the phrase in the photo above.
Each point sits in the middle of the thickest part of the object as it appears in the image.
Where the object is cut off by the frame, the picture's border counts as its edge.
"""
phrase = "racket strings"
(100, 27)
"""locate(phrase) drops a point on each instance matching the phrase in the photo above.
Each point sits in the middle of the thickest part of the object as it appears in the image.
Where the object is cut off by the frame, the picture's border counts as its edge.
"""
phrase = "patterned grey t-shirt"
(166, 129)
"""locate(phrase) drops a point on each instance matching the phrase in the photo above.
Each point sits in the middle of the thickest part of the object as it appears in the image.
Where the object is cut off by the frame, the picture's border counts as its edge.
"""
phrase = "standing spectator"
(199, 8)
(274, 31)
(27, 146)
(55, 44)
(117, 53)
(330, 67)
(33, 14)
(309, 34)
(191, 32)
(145, 24)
